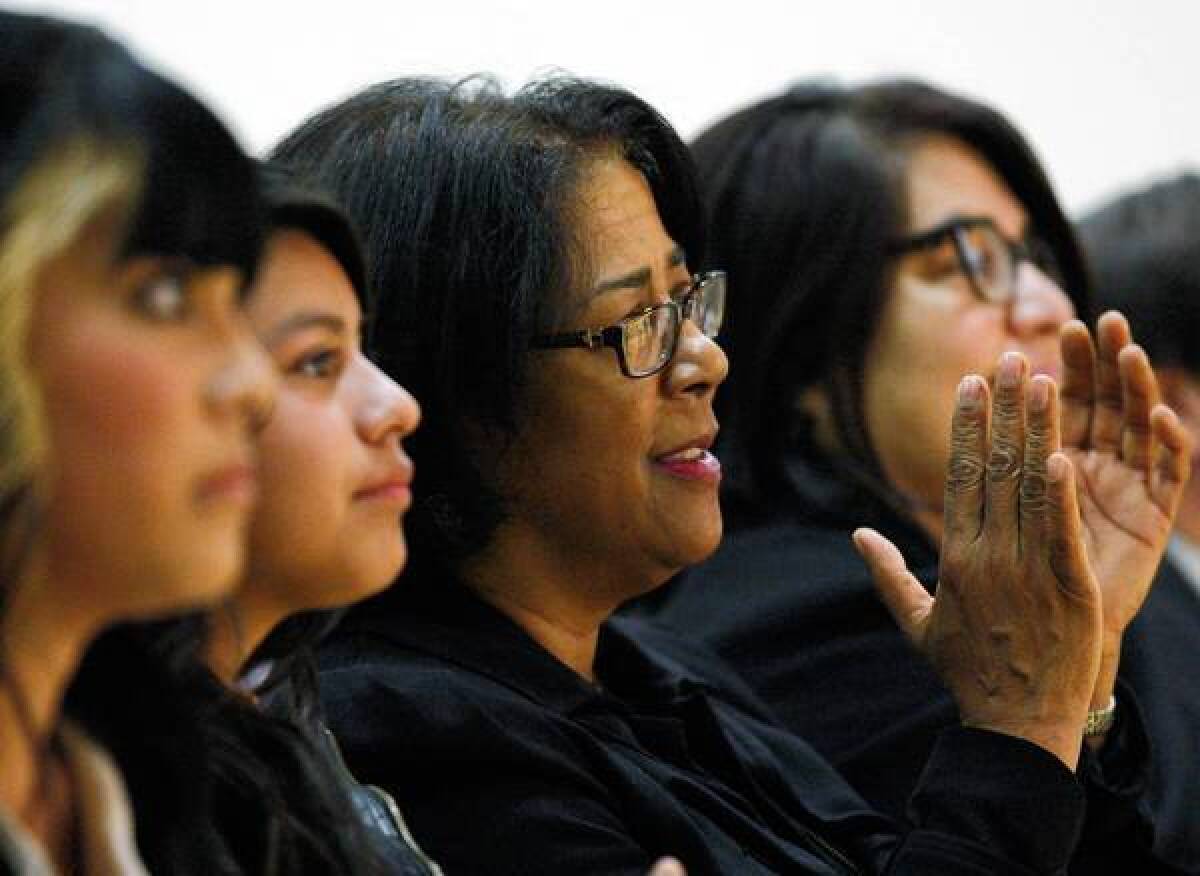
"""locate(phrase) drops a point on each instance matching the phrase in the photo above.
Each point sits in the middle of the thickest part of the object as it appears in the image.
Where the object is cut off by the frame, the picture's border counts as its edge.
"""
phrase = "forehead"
(947, 178)
(620, 225)
(299, 273)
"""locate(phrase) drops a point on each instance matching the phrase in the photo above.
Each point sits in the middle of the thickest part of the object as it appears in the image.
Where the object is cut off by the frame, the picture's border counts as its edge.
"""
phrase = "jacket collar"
(447, 620)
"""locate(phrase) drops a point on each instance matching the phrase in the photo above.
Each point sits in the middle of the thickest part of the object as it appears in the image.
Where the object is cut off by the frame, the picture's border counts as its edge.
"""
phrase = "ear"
(813, 404)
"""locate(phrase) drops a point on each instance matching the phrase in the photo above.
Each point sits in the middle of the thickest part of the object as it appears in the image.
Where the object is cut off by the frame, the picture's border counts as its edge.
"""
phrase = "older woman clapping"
(531, 255)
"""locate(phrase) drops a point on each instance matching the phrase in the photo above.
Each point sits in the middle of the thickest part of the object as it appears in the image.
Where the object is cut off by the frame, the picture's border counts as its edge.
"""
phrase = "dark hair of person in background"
(1144, 251)
(197, 201)
(437, 291)
(806, 194)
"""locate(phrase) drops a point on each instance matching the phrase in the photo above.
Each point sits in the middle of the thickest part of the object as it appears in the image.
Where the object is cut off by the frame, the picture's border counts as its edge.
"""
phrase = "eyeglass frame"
(614, 335)
(1018, 251)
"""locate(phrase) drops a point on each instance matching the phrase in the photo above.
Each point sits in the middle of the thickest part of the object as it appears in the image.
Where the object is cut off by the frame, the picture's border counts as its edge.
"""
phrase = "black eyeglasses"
(646, 341)
(987, 258)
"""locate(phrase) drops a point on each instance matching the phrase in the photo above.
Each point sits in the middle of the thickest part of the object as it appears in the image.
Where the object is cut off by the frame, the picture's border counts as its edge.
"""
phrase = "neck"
(542, 594)
(44, 633)
(237, 629)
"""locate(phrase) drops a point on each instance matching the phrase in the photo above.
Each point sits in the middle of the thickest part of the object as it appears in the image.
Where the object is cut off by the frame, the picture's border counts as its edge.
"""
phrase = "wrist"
(1106, 678)
(1062, 738)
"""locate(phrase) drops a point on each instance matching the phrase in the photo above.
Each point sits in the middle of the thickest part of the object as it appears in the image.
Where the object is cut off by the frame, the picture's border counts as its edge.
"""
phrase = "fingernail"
(1039, 395)
(970, 391)
(1056, 468)
(1009, 374)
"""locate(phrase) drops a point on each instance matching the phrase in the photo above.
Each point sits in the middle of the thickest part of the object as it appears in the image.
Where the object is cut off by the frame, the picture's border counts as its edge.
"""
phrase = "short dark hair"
(806, 193)
(1144, 251)
(465, 198)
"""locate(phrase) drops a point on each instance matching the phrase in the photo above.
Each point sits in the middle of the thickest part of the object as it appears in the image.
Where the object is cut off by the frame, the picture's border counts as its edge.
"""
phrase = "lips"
(392, 487)
(692, 462)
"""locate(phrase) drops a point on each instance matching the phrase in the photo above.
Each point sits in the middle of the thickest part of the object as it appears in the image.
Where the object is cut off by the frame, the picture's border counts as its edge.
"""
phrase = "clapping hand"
(1015, 630)
(1131, 458)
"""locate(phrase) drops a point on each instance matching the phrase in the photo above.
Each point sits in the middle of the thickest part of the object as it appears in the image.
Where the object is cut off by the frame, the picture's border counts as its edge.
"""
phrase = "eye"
(320, 364)
(164, 297)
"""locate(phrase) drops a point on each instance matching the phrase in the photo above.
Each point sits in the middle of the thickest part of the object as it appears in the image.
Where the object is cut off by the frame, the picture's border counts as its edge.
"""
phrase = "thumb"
(668, 867)
(907, 601)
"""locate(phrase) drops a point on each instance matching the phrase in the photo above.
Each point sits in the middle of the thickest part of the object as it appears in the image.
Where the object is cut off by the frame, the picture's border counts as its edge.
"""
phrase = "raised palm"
(1131, 458)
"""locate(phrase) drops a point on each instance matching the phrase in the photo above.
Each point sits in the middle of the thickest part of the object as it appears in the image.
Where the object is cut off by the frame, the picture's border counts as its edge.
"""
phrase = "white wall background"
(1107, 90)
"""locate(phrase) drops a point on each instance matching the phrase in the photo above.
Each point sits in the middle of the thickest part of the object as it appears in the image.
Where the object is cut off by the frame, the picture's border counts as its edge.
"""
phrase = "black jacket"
(507, 762)
(789, 603)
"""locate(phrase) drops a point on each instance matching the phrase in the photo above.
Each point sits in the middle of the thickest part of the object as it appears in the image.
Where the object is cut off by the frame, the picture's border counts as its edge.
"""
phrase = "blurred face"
(610, 472)
(934, 328)
(150, 381)
(335, 481)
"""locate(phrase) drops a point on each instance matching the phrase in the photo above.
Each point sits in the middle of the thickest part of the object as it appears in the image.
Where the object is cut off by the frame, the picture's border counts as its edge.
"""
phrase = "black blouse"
(507, 762)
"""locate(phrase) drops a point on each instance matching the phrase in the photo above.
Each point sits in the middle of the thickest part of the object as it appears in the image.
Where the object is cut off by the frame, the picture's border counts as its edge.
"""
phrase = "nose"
(1039, 306)
(699, 366)
(385, 408)
(246, 383)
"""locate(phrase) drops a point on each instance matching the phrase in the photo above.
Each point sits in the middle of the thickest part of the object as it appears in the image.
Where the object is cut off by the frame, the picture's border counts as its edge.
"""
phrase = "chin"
(700, 541)
(213, 579)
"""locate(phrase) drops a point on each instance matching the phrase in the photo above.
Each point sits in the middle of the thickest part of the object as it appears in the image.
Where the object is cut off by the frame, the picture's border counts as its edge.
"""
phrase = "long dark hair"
(465, 200)
(806, 192)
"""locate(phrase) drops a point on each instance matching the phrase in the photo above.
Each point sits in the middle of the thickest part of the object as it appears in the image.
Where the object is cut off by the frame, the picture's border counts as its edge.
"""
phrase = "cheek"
(912, 371)
(120, 422)
(304, 456)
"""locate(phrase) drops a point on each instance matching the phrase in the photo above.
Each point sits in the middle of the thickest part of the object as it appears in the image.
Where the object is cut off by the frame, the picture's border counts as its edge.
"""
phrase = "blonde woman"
(129, 383)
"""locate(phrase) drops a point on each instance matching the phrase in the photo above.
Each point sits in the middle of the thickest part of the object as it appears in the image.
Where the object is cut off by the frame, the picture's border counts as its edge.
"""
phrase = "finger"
(668, 867)
(1006, 456)
(1139, 393)
(1079, 383)
(962, 508)
(905, 598)
(1112, 334)
(1042, 439)
(1064, 530)
(1173, 464)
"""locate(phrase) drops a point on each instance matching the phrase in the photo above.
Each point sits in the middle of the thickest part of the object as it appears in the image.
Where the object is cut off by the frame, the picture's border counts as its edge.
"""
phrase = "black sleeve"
(1118, 834)
(1000, 793)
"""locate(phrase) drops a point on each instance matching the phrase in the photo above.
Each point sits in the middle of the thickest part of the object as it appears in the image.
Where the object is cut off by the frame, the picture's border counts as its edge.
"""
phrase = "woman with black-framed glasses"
(885, 241)
(520, 727)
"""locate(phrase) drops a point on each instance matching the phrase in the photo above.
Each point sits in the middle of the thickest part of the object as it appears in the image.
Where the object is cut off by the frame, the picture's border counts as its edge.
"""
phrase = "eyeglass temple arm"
(590, 338)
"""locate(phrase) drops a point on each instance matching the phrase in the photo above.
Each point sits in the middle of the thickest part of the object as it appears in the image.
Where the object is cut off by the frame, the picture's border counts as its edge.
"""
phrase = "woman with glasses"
(531, 255)
(885, 241)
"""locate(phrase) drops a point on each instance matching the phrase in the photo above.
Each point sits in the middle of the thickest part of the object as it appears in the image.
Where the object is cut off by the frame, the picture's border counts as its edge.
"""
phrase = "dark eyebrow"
(300, 321)
(638, 278)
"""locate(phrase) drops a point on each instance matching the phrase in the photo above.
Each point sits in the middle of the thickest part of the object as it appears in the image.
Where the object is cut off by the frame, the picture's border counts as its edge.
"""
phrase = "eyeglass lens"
(649, 340)
(988, 260)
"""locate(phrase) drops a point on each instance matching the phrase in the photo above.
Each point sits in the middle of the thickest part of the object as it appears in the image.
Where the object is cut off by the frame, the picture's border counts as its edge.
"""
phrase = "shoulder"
(421, 707)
